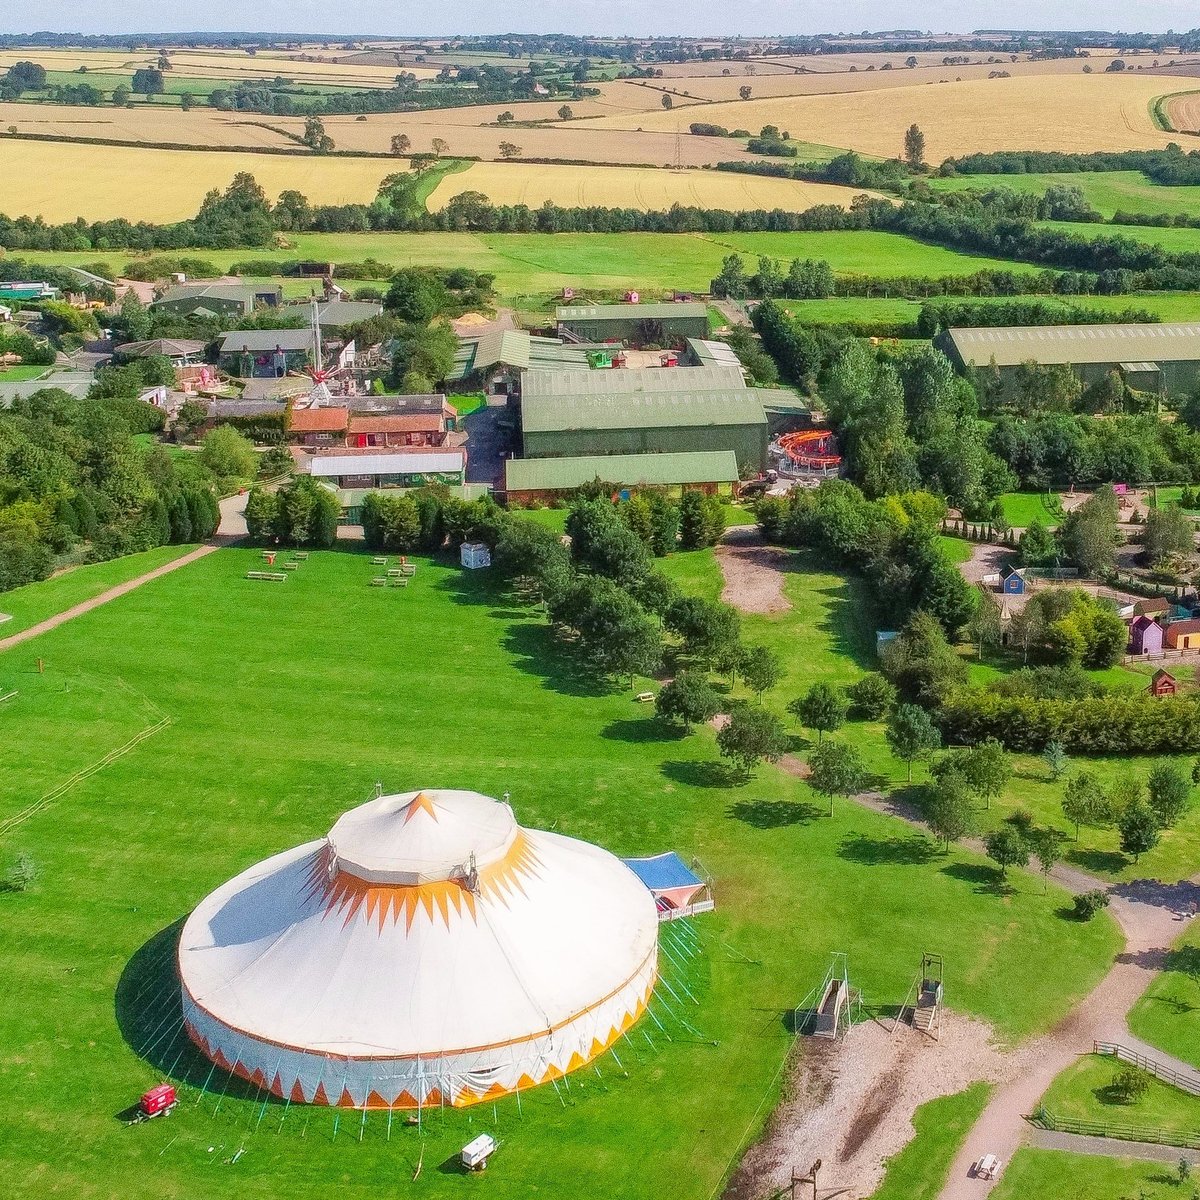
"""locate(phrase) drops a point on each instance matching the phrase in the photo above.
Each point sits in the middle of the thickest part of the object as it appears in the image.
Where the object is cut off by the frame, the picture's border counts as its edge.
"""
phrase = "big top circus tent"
(429, 951)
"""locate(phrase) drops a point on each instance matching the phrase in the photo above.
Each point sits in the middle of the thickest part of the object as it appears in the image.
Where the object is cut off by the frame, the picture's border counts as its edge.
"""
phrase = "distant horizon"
(618, 18)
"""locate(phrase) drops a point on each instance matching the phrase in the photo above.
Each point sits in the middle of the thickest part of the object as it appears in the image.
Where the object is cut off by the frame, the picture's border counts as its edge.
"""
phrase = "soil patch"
(754, 572)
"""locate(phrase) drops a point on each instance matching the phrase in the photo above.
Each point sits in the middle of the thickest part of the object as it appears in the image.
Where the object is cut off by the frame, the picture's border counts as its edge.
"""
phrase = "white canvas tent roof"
(512, 957)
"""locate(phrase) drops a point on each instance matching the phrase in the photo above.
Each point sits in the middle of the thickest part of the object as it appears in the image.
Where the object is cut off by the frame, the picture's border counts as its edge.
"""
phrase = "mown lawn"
(1084, 1092)
(288, 704)
(1168, 1013)
(920, 1170)
(1021, 509)
(21, 373)
(1063, 1176)
(29, 605)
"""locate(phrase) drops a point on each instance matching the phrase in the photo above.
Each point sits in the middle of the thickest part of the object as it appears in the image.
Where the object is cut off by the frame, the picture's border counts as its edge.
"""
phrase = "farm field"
(1178, 240)
(527, 266)
(241, 670)
(626, 187)
(41, 179)
(1106, 191)
(1183, 111)
(1084, 1093)
(1052, 112)
(1169, 306)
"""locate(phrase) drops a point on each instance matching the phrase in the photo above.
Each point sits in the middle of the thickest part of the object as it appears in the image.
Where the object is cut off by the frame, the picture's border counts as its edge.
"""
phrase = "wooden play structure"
(828, 1010)
(922, 1006)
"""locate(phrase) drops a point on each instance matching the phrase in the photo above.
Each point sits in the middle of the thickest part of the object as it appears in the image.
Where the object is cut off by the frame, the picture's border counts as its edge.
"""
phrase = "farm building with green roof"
(1161, 358)
(669, 324)
(498, 360)
(571, 414)
(711, 471)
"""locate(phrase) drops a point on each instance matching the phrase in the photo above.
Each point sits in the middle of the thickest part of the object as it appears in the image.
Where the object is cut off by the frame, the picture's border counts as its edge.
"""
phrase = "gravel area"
(754, 572)
(850, 1103)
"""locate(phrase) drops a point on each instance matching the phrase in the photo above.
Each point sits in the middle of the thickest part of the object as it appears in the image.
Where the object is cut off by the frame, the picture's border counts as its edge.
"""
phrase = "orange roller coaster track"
(811, 448)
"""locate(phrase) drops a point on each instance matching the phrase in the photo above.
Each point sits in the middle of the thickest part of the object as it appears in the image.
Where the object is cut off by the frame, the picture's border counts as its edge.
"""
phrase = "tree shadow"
(774, 814)
(1097, 861)
(536, 653)
(984, 881)
(643, 729)
(700, 773)
(148, 1005)
(910, 850)
(1185, 960)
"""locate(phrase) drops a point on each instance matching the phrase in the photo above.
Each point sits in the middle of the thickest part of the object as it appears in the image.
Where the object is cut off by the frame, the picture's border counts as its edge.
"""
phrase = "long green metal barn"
(1162, 358)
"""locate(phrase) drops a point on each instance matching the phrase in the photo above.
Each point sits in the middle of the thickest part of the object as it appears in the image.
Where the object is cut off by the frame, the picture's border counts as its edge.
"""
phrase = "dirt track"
(754, 572)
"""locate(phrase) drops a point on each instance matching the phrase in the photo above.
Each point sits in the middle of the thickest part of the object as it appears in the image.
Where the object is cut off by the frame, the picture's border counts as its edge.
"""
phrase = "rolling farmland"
(624, 187)
(1050, 112)
(142, 184)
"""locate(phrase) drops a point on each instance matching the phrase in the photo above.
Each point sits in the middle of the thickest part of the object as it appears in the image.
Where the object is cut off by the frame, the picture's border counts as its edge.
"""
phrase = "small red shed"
(1163, 683)
(158, 1101)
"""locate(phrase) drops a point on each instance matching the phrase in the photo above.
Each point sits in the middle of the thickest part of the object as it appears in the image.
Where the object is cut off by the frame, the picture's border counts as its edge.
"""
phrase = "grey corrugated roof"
(633, 381)
(545, 414)
(241, 292)
(1078, 344)
(630, 470)
(337, 313)
(636, 312)
(714, 354)
(264, 341)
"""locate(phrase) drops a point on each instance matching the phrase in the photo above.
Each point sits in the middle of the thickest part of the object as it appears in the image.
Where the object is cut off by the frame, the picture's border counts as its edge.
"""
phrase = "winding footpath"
(231, 530)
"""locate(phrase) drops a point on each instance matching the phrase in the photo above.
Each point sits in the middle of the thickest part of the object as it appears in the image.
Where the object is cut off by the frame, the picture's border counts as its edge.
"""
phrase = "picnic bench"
(380, 560)
(272, 576)
(379, 581)
(401, 581)
(988, 1167)
(301, 555)
(291, 566)
(645, 697)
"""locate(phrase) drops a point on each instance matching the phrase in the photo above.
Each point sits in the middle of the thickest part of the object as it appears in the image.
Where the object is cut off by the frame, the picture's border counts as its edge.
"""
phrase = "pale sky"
(634, 17)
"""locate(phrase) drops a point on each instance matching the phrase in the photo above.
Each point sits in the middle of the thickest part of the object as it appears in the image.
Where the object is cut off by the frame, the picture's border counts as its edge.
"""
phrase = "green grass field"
(1057, 1175)
(21, 373)
(288, 703)
(1107, 192)
(1168, 1014)
(1021, 509)
(1180, 240)
(37, 601)
(891, 311)
(1084, 1092)
(528, 266)
(920, 1170)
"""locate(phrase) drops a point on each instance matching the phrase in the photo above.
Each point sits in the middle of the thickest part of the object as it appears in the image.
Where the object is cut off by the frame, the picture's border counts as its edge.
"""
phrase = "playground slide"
(811, 449)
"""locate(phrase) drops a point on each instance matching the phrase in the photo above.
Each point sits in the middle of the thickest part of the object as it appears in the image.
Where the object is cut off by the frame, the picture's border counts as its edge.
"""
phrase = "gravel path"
(754, 572)
(231, 529)
(1075, 1143)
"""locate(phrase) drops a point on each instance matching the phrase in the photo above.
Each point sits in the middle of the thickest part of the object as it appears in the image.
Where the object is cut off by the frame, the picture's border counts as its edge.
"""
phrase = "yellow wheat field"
(628, 187)
(1035, 112)
(146, 123)
(62, 181)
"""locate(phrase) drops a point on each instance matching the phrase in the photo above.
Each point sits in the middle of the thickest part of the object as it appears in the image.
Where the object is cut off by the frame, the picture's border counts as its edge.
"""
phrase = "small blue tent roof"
(663, 871)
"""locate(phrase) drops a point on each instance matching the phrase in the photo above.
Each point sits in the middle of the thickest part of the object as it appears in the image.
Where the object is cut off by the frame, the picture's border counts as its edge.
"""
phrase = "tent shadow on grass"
(149, 1011)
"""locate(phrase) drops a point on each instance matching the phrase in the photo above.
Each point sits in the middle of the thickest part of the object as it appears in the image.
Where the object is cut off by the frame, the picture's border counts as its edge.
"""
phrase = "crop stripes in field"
(44, 802)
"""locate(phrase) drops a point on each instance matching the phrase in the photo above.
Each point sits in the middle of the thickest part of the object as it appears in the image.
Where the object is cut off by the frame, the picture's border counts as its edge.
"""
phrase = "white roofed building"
(428, 951)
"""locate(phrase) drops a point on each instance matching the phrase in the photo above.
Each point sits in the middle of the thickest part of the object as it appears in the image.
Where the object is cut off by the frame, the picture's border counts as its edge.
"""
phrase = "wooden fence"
(1115, 1130)
(1185, 1083)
